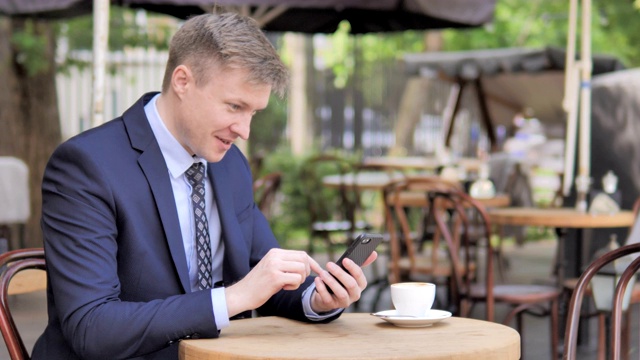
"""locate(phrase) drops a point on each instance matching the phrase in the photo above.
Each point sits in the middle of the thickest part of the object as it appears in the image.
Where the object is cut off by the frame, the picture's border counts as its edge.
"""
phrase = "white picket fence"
(129, 75)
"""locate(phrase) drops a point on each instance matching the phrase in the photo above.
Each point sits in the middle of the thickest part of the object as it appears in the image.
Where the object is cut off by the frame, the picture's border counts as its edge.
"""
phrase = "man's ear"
(181, 79)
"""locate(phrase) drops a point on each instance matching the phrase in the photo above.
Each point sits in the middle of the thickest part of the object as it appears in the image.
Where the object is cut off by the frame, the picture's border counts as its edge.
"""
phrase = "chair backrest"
(11, 263)
(406, 207)
(463, 209)
(575, 304)
(265, 189)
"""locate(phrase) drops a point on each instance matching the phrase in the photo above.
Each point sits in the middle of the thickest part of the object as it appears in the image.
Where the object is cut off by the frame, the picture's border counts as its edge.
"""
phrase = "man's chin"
(213, 158)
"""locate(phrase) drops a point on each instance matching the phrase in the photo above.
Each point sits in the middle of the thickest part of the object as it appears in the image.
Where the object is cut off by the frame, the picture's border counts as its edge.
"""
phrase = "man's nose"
(242, 128)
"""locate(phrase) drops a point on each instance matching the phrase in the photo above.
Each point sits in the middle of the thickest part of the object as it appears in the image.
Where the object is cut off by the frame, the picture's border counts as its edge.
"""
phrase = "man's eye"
(234, 107)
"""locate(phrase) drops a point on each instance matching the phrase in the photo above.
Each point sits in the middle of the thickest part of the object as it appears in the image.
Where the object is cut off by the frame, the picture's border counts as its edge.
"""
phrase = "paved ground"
(530, 262)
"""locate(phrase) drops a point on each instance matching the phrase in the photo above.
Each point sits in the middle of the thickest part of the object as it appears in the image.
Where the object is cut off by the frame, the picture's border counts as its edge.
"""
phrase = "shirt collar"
(178, 160)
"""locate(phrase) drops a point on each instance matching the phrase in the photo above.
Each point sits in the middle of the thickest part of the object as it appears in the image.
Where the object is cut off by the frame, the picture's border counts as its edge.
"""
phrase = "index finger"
(315, 267)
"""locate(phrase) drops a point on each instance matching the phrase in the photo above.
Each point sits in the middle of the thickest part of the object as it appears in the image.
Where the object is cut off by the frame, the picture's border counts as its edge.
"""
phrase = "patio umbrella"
(305, 16)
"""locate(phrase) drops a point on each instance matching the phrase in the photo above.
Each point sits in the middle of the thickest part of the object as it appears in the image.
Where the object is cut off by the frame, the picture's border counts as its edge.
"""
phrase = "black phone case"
(360, 249)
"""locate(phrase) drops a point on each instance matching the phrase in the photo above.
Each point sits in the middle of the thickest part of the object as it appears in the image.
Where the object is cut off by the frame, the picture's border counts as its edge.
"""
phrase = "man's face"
(212, 116)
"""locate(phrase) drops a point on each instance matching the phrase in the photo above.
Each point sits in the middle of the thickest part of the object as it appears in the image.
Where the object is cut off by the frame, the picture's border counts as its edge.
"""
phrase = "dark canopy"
(306, 16)
(508, 80)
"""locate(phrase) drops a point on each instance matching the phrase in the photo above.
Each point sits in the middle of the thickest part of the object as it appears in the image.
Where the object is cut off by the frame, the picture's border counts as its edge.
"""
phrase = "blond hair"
(230, 41)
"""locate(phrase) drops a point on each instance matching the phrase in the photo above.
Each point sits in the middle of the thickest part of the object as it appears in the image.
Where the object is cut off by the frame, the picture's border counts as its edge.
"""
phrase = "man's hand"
(278, 270)
(353, 283)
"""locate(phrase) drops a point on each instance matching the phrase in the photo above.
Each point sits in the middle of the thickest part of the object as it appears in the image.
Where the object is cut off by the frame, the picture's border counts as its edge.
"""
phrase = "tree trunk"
(28, 107)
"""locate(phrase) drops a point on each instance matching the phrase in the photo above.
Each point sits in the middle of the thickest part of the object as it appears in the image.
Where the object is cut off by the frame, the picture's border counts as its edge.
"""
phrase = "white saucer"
(431, 317)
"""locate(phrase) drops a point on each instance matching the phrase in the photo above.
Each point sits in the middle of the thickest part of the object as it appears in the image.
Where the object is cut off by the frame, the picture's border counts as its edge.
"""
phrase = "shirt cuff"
(219, 304)
(306, 305)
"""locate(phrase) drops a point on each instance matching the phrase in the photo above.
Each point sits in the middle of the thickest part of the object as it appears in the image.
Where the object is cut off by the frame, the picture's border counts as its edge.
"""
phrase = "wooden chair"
(582, 287)
(569, 286)
(332, 211)
(265, 190)
(12, 263)
(415, 249)
(538, 300)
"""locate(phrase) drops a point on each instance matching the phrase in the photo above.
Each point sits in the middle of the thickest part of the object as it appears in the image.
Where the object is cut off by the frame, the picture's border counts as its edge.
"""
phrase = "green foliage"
(615, 28)
(268, 126)
(125, 30)
(289, 223)
(30, 48)
(345, 51)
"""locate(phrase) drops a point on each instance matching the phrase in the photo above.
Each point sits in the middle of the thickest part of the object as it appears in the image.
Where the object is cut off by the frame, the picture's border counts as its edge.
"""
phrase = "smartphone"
(359, 250)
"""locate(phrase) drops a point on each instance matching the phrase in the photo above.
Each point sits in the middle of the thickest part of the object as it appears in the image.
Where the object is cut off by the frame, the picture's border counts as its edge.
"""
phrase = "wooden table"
(418, 199)
(404, 163)
(420, 163)
(373, 180)
(28, 281)
(356, 336)
(561, 218)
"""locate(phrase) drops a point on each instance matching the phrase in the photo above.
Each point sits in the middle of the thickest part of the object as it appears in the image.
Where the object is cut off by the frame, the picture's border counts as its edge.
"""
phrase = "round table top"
(559, 217)
(27, 281)
(414, 198)
(356, 336)
(420, 162)
(364, 181)
(404, 162)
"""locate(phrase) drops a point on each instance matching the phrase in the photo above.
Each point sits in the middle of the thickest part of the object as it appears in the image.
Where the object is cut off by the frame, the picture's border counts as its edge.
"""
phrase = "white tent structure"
(577, 103)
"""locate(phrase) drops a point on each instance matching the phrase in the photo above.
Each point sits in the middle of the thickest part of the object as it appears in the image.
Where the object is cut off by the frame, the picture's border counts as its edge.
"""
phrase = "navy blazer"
(116, 266)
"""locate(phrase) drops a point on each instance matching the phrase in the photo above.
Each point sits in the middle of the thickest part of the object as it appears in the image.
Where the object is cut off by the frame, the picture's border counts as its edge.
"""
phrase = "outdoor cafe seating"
(15, 278)
(614, 302)
(589, 310)
(471, 287)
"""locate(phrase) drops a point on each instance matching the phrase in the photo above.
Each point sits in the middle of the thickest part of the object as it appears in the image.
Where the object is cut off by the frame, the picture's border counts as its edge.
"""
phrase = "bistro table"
(28, 281)
(356, 336)
(562, 219)
(376, 181)
(420, 163)
(404, 163)
(414, 198)
(363, 181)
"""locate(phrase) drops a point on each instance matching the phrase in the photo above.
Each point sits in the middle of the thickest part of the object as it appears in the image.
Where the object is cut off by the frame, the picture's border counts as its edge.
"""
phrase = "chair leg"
(626, 329)
(602, 341)
(382, 285)
(520, 328)
(555, 322)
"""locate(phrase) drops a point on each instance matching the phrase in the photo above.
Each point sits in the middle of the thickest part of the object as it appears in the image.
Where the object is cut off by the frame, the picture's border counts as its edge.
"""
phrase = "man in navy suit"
(118, 221)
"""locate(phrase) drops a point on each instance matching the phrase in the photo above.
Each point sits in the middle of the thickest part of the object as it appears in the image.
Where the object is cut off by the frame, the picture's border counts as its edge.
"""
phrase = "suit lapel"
(155, 170)
(236, 252)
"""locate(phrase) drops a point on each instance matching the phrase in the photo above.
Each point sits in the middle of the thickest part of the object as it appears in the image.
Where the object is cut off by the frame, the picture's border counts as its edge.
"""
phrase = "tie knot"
(195, 174)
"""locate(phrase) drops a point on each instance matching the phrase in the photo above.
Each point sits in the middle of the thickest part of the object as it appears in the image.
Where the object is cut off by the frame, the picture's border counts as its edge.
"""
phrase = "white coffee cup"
(413, 298)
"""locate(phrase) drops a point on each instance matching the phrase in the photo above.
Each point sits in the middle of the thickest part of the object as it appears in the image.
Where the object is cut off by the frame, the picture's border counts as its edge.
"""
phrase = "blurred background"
(355, 91)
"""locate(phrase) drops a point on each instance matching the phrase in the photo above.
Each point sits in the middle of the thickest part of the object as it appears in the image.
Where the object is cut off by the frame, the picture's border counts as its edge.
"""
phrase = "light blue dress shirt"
(178, 160)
